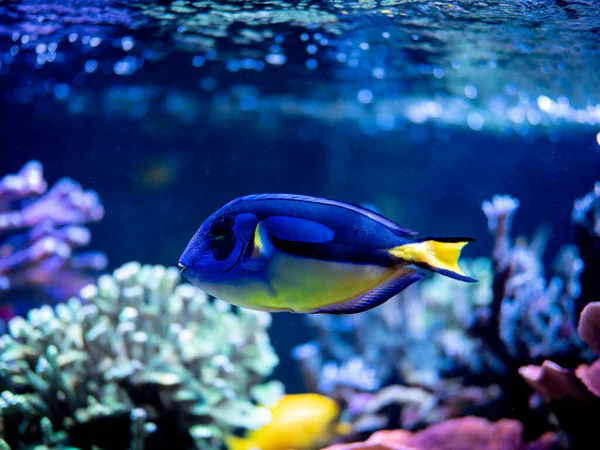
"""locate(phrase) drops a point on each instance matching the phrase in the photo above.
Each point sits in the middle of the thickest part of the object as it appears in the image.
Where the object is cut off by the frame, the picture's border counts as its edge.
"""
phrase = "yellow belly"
(301, 284)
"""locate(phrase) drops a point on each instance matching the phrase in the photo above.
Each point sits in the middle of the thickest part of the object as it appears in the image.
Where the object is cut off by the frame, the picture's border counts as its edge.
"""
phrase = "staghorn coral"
(533, 318)
(457, 434)
(137, 339)
(40, 230)
(528, 318)
(457, 349)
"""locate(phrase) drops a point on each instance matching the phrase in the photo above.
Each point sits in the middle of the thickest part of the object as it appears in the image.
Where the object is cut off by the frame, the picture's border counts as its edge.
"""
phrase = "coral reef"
(423, 333)
(531, 317)
(457, 434)
(414, 330)
(574, 394)
(586, 218)
(138, 353)
(457, 348)
(510, 362)
(40, 230)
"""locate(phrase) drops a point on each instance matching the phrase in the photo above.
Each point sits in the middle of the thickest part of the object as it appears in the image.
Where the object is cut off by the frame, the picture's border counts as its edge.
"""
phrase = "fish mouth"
(182, 267)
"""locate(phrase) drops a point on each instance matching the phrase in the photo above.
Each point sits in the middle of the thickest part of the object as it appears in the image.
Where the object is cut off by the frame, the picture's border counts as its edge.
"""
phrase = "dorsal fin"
(400, 231)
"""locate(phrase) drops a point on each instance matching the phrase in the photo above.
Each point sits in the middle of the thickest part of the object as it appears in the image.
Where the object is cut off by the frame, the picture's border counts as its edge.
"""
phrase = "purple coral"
(531, 316)
(586, 218)
(39, 232)
(534, 317)
(471, 433)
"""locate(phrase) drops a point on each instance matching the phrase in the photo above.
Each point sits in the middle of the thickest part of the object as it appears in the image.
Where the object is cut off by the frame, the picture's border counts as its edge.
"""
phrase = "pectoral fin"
(259, 250)
(402, 279)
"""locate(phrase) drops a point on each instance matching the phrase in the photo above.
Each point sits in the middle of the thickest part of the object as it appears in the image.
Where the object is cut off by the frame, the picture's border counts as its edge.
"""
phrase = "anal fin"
(402, 279)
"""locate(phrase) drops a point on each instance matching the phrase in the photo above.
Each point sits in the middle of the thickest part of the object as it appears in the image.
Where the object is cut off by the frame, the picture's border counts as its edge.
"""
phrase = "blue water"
(422, 109)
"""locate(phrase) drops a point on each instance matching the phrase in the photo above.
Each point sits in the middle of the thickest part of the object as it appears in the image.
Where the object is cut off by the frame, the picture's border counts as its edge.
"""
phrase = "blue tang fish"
(286, 252)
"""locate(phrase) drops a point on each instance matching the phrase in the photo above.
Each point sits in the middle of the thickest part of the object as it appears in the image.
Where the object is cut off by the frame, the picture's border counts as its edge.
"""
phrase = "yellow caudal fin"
(237, 443)
(436, 254)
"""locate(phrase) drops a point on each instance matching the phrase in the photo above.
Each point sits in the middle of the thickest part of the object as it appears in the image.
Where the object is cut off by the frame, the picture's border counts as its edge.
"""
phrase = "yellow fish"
(300, 422)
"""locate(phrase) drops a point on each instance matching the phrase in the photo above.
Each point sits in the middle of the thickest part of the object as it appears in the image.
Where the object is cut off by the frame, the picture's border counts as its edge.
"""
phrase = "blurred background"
(423, 110)
(170, 110)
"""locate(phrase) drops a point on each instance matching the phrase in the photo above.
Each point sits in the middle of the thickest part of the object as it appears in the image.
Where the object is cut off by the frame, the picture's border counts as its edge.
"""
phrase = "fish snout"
(183, 267)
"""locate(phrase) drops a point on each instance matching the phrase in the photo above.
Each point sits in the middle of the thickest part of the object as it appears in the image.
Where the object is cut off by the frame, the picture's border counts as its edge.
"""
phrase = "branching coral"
(529, 319)
(456, 349)
(406, 344)
(39, 232)
(137, 339)
(586, 218)
(532, 318)
(401, 338)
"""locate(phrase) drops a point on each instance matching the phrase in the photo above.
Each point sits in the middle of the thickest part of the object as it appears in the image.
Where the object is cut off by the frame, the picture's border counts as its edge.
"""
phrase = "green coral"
(136, 332)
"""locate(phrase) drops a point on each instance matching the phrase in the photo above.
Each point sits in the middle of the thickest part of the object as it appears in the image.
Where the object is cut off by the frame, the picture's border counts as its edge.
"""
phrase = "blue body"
(285, 252)
(360, 236)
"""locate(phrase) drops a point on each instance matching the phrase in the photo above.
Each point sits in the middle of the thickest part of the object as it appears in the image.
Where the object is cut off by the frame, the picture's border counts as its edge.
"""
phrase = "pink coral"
(589, 326)
(553, 382)
(467, 433)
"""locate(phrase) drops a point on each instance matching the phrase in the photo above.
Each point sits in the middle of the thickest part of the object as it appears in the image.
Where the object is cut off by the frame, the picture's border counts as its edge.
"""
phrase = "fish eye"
(222, 246)
(223, 240)
(218, 228)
